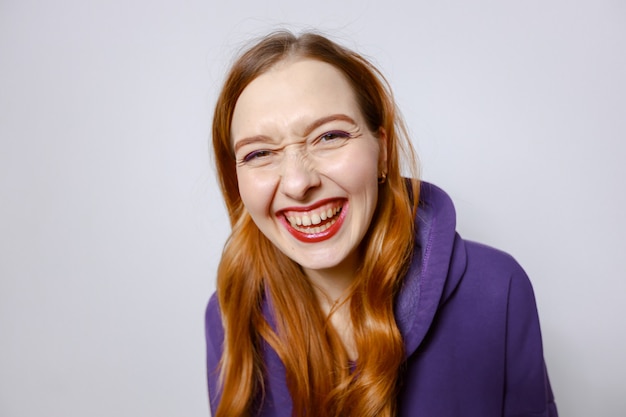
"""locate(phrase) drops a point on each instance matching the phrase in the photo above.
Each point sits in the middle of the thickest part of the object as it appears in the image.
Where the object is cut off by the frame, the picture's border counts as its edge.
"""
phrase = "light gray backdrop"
(111, 225)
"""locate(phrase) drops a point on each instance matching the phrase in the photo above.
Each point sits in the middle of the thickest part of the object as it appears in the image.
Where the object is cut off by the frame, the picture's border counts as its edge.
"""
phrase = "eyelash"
(335, 134)
(255, 154)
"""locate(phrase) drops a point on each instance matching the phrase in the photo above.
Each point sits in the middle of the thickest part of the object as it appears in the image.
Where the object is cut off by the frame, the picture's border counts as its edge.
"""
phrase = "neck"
(331, 287)
(331, 284)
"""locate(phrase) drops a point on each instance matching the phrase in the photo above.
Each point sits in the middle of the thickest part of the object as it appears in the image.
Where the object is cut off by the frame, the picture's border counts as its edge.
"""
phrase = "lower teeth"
(313, 230)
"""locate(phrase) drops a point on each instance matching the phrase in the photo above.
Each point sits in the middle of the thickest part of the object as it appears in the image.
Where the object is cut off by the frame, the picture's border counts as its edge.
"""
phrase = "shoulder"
(489, 262)
(214, 333)
(490, 259)
(213, 306)
(214, 330)
(498, 272)
(212, 314)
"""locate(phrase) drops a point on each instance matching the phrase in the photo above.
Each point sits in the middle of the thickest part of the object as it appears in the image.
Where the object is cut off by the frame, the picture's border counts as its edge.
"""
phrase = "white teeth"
(313, 219)
(314, 230)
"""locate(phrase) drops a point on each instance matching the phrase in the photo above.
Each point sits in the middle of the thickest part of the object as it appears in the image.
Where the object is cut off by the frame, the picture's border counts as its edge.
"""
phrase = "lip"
(315, 237)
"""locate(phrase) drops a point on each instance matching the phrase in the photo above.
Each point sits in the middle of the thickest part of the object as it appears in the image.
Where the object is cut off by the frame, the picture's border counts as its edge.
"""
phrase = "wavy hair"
(252, 270)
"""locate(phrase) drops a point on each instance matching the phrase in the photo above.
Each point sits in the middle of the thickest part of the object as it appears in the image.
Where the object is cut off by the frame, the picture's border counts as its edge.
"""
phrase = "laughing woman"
(343, 289)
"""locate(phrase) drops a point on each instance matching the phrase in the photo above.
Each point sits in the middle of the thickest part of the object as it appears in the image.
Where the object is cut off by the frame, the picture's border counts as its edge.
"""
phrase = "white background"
(111, 225)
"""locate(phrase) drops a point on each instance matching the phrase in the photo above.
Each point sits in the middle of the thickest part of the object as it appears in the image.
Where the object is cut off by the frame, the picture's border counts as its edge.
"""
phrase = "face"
(307, 164)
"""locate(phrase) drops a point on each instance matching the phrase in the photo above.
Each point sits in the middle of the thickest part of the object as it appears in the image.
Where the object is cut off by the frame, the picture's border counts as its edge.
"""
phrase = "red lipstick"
(332, 212)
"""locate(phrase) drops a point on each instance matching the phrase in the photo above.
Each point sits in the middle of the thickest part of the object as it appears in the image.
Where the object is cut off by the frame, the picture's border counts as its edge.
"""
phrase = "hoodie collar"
(438, 264)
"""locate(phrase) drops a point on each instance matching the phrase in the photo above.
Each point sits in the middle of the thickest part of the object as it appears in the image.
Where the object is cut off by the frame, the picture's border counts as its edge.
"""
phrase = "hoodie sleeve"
(214, 333)
(527, 387)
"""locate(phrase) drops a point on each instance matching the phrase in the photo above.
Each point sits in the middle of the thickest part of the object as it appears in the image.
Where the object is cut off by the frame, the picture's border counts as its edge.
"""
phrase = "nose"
(298, 176)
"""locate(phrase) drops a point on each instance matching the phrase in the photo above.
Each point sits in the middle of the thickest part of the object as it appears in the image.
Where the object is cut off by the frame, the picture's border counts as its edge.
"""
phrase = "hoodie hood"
(434, 274)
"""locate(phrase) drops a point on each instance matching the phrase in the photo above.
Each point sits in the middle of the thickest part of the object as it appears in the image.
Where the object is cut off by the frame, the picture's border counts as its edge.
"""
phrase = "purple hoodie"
(469, 321)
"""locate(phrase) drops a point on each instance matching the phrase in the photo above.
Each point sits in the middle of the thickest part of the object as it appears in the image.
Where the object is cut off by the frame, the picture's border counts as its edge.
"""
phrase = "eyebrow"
(308, 129)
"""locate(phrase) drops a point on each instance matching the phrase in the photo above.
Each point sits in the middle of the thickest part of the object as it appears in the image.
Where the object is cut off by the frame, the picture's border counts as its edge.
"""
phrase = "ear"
(382, 154)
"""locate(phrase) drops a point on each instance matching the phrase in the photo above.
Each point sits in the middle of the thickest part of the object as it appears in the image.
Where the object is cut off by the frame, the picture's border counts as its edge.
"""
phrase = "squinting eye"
(256, 155)
(335, 134)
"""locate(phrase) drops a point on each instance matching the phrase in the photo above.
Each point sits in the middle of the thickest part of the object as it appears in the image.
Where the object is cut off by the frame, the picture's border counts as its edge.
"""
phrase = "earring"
(382, 177)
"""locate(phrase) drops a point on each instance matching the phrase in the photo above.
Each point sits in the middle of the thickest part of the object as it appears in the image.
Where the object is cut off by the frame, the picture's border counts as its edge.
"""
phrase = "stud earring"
(382, 177)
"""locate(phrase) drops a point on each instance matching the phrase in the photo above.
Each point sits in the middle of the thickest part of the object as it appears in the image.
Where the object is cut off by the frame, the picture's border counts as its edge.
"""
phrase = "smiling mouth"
(317, 224)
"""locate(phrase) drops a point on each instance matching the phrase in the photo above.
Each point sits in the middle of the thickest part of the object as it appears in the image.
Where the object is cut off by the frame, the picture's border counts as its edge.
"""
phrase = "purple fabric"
(469, 321)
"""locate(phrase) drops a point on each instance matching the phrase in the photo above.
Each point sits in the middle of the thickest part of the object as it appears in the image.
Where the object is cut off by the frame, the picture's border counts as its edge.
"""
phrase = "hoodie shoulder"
(490, 258)
(214, 333)
(498, 274)
(214, 330)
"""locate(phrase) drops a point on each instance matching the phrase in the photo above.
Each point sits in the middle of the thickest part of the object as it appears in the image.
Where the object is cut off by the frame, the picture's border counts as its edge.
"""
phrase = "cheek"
(358, 169)
(256, 192)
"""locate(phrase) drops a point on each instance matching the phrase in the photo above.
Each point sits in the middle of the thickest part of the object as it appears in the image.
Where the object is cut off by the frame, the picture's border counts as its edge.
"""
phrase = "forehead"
(292, 91)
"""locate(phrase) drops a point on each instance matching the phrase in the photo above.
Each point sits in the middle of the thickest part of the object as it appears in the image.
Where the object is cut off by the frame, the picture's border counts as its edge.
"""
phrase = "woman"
(343, 289)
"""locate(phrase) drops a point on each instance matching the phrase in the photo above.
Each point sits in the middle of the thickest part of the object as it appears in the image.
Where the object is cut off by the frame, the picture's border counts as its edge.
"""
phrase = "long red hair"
(318, 374)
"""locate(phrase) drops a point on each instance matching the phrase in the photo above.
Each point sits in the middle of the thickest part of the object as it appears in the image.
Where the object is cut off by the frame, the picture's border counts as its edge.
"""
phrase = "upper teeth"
(312, 218)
